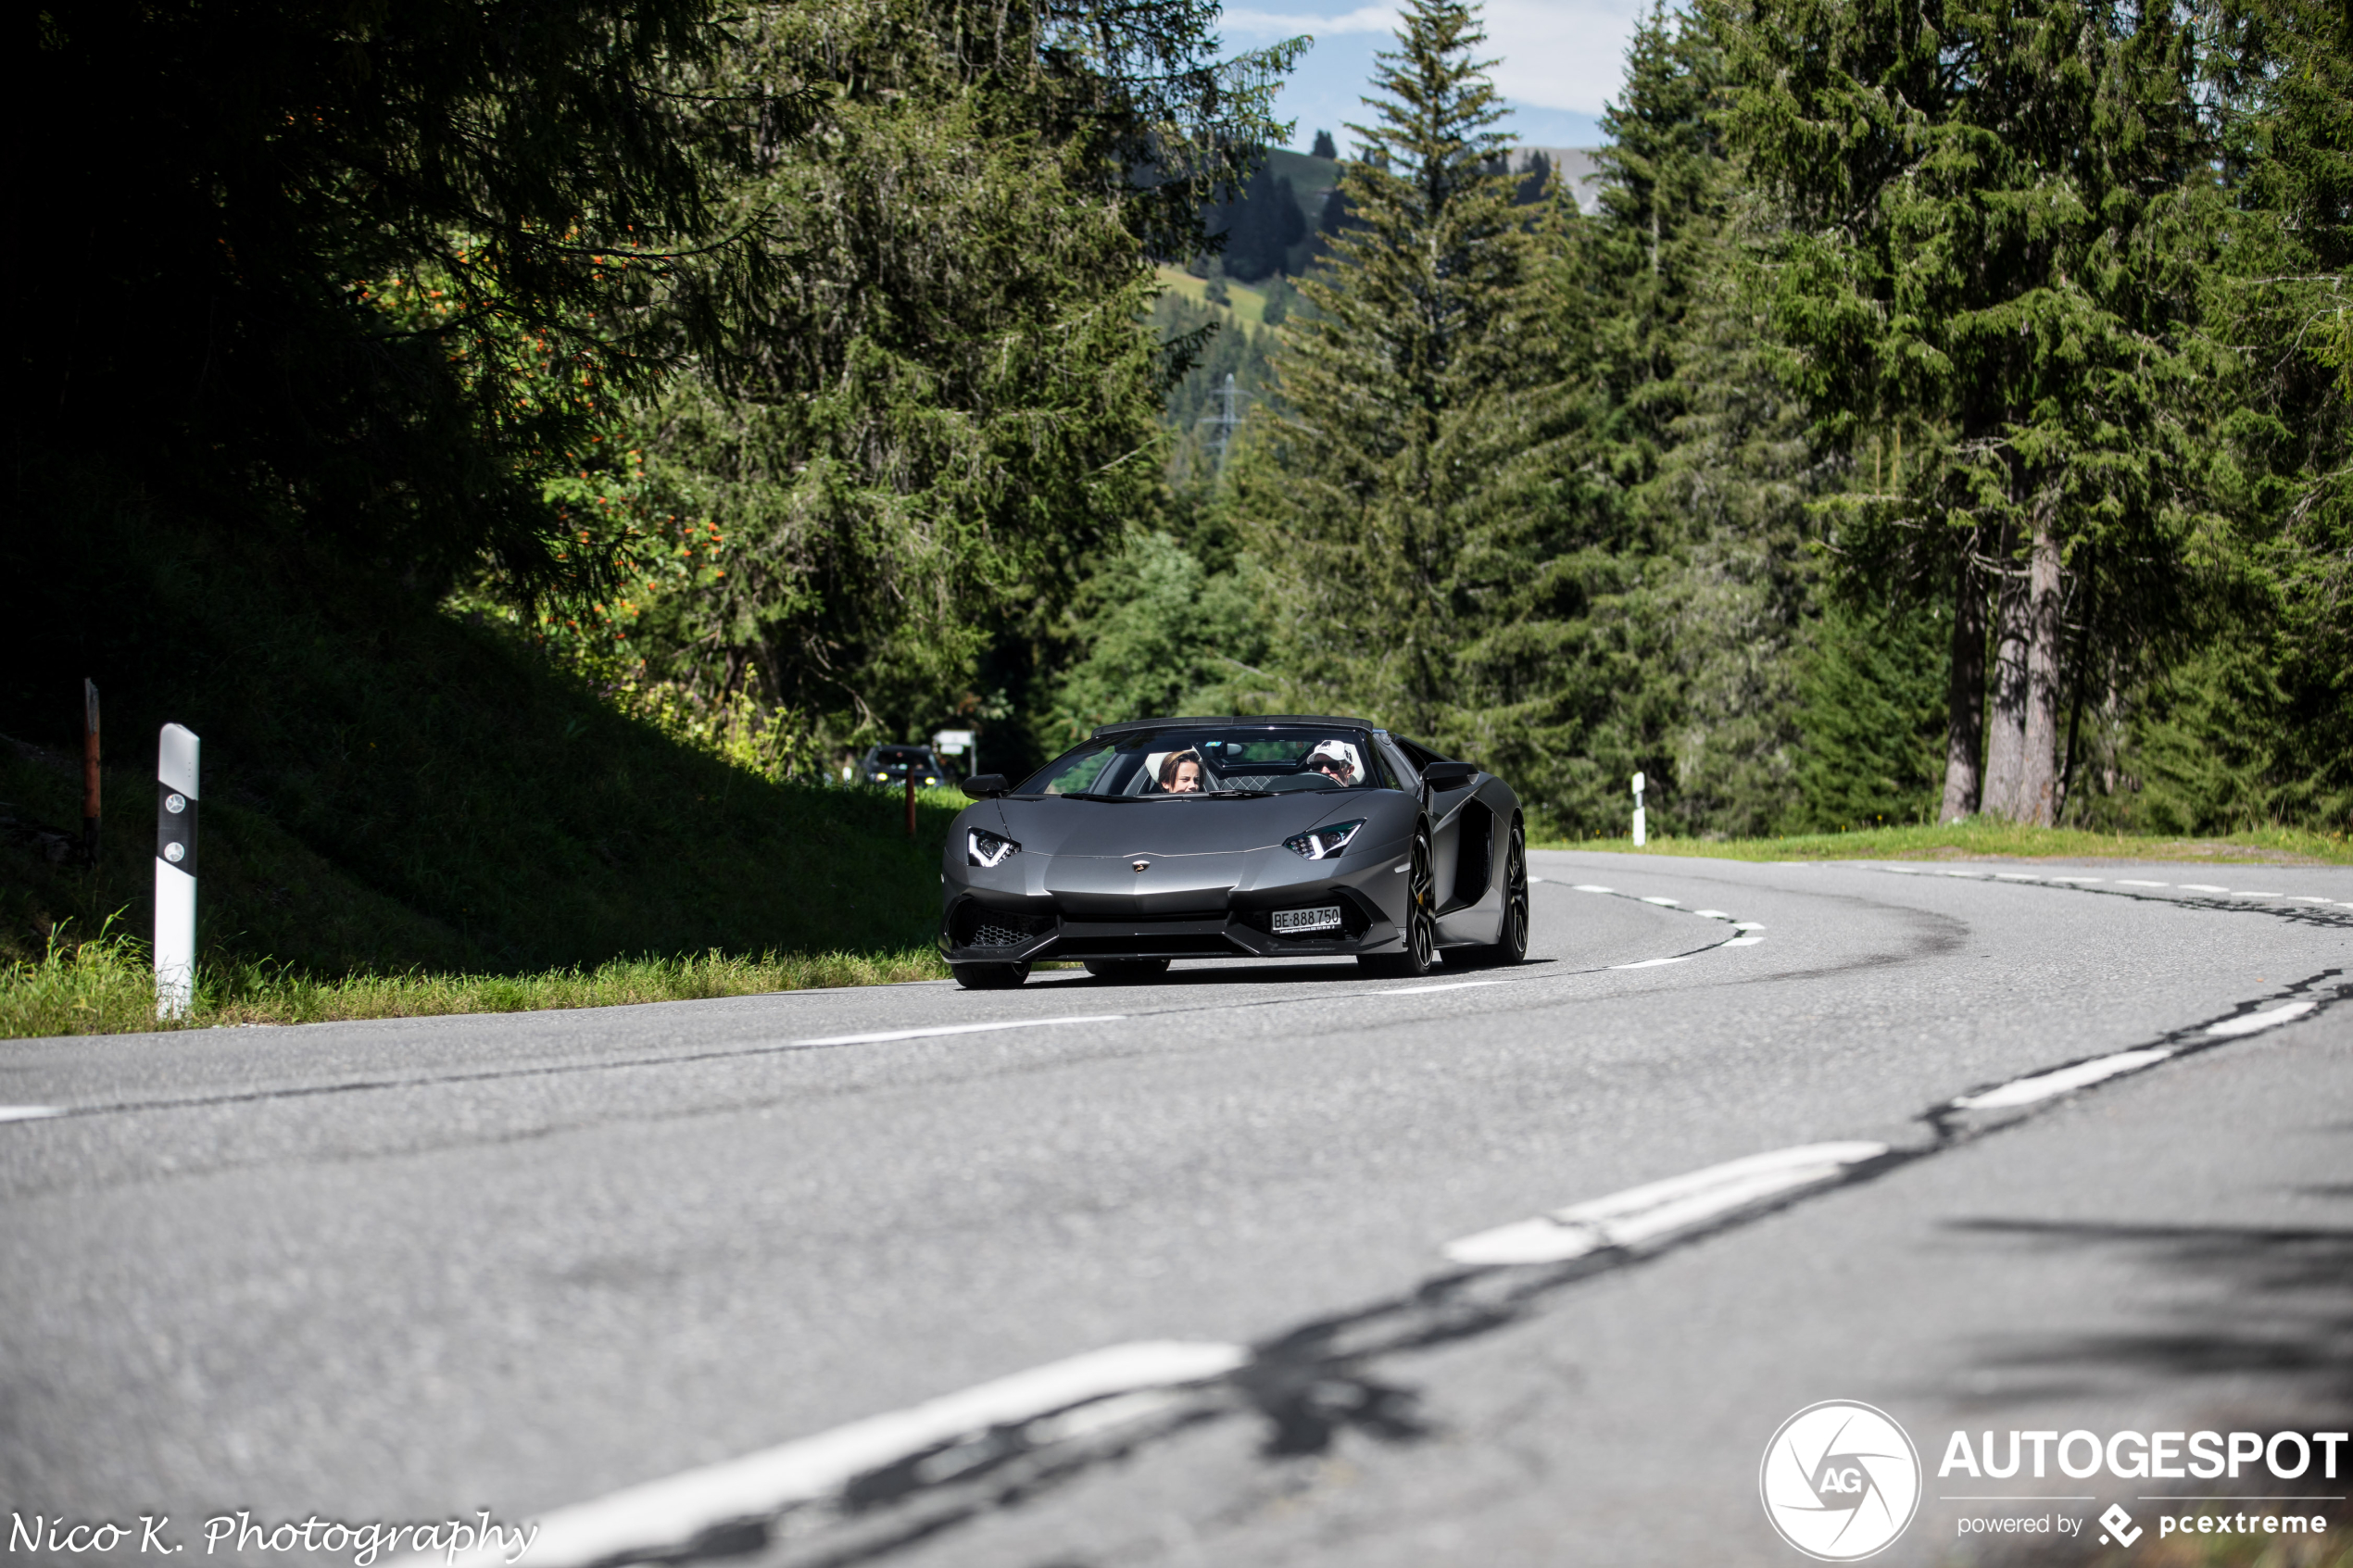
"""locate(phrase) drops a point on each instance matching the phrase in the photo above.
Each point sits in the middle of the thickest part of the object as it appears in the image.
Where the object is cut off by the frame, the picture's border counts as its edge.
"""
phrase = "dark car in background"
(1248, 837)
(891, 764)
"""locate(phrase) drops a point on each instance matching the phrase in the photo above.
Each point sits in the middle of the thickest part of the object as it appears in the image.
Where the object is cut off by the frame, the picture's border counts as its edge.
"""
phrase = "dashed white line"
(1591, 887)
(1748, 925)
(883, 1037)
(28, 1112)
(1711, 914)
(1744, 942)
(2016, 876)
(1671, 903)
(2134, 882)
(654, 1519)
(2202, 887)
(1656, 1212)
(1449, 986)
(1654, 963)
(2244, 895)
(2077, 879)
(2064, 1080)
(2255, 1021)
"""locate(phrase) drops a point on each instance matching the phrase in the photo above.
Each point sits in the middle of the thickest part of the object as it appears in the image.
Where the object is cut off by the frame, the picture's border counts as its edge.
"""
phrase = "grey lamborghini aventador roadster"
(1203, 838)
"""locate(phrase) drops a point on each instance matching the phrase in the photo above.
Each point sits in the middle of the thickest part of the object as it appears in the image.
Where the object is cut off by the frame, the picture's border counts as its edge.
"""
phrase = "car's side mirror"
(986, 786)
(1448, 775)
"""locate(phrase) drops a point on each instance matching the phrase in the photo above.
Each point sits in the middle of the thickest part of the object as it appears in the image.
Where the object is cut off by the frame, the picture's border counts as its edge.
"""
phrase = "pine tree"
(1989, 260)
(1390, 503)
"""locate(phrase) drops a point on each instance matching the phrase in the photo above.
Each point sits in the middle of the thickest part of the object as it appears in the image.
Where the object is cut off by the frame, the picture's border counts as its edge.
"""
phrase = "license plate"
(1307, 920)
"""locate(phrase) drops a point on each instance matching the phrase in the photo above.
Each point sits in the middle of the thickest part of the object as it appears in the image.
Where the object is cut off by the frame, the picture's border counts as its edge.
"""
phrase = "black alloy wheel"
(990, 976)
(1125, 972)
(1421, 923)
(1510, 946)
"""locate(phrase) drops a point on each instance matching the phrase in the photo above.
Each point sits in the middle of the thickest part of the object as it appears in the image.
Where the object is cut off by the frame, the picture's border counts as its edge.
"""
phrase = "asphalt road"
(406, 1271)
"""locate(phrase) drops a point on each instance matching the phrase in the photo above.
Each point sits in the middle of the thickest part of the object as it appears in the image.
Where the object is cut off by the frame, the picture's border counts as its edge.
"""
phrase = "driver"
(1181, 772)
(1336, 761)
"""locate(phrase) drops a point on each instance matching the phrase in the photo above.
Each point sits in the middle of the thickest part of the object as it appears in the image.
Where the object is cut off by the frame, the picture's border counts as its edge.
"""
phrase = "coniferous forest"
(1934, 409)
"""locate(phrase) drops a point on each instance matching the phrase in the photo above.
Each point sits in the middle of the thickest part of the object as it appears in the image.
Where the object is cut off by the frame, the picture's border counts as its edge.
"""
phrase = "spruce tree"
(1390, 501)
(1988, 258)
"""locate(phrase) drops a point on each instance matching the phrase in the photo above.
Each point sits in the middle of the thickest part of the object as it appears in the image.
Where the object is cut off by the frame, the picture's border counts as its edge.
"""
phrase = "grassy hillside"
(1249, 305)
(388, 788)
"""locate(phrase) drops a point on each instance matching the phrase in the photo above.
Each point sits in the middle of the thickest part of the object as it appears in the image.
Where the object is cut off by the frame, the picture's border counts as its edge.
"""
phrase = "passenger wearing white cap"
(1336, 759)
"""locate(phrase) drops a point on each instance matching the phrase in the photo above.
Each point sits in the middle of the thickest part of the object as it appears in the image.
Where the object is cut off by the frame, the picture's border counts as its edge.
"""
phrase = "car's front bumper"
(988, 925)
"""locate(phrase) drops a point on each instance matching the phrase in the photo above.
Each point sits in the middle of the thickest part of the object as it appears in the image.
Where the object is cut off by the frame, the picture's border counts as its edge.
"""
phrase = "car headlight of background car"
(985, 848)
(1323, 843)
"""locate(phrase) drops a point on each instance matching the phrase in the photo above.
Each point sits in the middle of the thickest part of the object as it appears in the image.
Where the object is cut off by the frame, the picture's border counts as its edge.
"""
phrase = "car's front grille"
(990, 933)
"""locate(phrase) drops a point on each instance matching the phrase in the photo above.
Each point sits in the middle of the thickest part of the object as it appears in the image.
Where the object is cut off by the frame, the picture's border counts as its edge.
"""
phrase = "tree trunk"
(2006, 736)
(2038, 778)
(1964, 692)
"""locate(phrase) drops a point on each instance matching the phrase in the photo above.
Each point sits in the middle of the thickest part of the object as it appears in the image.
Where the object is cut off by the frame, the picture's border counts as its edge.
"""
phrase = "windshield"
(1242, 759)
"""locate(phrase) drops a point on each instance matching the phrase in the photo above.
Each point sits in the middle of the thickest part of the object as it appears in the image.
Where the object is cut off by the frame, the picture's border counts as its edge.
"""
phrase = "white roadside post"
(1641, 836)
(175, 872)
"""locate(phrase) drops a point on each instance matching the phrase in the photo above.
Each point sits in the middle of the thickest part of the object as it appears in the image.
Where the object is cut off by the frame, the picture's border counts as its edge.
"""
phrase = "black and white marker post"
(1641, 836)
(175, 872)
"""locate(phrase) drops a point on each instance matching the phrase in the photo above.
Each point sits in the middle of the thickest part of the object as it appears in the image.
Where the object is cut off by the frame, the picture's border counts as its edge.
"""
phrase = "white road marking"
(2016, 876)
(1654, 963)
(2202, 887)
(2078, 879)
(2254, 1022)
(1449, 986)
(1711, 914)
(1533, 878)
(1669, 902)
(882, 1037)
(2257, 895)
(1658, 1211)
(1588, 887)
(655, 1519)
(1749, 924)
(1969, 874)
(2131, 881)
(2065, 1080)
(28, 1112)
(2306, 899)
(1743, 941)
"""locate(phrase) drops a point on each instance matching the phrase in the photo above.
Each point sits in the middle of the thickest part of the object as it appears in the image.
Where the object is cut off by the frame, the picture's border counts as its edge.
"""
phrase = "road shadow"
(2254, 1334)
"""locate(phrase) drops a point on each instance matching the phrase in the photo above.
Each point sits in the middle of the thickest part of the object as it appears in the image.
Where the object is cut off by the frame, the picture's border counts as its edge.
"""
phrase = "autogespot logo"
(1839, 1480)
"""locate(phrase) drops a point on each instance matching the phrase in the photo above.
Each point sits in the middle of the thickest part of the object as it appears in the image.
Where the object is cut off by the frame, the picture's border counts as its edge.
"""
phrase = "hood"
(1055, 826)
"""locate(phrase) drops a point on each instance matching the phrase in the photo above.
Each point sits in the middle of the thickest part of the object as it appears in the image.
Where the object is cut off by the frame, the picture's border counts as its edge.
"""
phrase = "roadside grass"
(1980, 836)
(106, 986)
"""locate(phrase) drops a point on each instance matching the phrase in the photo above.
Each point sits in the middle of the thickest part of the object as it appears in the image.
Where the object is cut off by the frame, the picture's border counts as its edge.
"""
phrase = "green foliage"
(909, 454)
(332, 236)
(1871, 714)
(1993, 254)
(1161, 636)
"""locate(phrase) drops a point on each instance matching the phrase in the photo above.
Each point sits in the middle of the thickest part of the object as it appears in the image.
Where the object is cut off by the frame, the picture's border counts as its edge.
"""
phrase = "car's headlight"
(1323, 843)
(985, 848)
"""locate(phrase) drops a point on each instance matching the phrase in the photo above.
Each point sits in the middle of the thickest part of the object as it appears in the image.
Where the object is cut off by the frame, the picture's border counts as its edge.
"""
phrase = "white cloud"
(1560, 53)
(1550, 54)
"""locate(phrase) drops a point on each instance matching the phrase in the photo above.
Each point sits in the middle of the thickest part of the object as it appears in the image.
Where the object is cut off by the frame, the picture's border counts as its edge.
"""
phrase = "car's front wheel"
(1121, 971)
(988, 976)
(1420, 954)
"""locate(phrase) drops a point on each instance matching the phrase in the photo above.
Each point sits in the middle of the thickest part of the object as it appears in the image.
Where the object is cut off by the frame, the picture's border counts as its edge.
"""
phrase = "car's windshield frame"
(1130, 761)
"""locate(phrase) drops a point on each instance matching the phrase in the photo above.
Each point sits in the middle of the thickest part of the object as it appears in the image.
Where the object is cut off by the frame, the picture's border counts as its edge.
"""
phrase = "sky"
(1557, 60)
